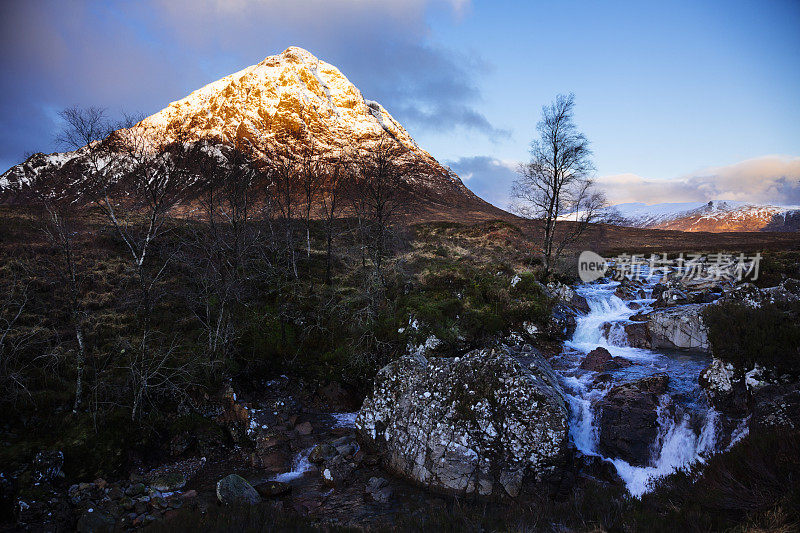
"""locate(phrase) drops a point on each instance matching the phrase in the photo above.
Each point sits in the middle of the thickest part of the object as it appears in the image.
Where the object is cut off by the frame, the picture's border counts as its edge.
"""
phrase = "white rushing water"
(687, 425)
(344, 420)
(300, 466)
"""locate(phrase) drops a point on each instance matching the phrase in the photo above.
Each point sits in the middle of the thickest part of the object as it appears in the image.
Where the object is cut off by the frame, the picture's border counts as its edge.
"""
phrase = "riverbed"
(688, 427)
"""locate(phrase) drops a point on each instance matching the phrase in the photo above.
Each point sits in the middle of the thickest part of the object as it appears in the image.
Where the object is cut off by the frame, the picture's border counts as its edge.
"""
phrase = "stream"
(687, 425)
(688, 428)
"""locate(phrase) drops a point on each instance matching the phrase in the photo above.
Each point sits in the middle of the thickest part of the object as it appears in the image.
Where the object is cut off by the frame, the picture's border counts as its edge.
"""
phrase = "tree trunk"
(79, 363)
(328, 257)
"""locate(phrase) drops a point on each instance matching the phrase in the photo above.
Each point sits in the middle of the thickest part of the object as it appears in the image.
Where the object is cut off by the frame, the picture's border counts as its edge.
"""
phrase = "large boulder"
(628, 419)
(561, 291)
(768, 399)
(638, 335)
(629, 289)
(562, 322)
(481, 423)
(674, 289)
(567, 295)
(235, 490)
(678, 327)
(751, 296)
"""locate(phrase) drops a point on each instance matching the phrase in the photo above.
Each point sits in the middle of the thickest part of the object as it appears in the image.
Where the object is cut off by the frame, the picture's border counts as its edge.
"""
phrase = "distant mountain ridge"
(713, 216)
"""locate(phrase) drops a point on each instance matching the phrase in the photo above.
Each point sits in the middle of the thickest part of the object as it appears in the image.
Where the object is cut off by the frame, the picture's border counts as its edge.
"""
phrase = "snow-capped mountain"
(285, 104)
(291, 98)
(714, 216)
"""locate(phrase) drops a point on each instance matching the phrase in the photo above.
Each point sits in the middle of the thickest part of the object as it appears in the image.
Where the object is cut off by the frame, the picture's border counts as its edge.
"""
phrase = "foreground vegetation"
(768, 335)
(446, 280)
(153, 354)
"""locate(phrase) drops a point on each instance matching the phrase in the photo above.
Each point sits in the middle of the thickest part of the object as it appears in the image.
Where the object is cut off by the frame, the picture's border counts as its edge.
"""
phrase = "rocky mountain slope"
(289, 103)
(714, 216)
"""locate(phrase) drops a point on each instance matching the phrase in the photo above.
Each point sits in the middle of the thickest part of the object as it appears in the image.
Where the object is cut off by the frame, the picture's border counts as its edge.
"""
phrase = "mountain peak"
(286, 104)
(297, 54)
(291, 95)
(713, 216)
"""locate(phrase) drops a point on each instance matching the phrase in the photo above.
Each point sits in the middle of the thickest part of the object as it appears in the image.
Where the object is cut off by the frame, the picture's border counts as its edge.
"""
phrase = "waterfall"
(680, 443)
(300, 465)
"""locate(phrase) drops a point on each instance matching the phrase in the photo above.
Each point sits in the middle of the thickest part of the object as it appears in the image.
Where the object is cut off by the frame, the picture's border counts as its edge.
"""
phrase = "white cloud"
(773, 179)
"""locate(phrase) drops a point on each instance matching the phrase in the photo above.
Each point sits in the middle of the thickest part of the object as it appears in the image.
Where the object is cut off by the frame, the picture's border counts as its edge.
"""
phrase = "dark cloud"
(425, 86)
(487, 177)
(57, 54)
(139, 56)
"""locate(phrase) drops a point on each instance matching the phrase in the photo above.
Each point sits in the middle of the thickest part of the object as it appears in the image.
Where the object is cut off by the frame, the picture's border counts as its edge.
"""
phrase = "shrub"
(755, 482)
(464, 305)
(776, 266)
(769, 335)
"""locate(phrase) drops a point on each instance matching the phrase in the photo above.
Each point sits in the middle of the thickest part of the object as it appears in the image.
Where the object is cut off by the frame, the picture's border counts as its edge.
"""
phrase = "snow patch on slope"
(701, 216)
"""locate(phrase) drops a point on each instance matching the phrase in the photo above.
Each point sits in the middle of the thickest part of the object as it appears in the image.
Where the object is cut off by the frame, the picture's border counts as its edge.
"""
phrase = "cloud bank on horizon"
(771, 179)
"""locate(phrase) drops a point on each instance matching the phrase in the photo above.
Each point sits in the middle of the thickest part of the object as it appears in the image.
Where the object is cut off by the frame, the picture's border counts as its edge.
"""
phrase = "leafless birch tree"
(555, 186)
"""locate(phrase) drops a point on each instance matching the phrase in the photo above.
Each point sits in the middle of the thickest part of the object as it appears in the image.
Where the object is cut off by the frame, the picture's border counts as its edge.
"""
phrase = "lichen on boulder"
(482, 423)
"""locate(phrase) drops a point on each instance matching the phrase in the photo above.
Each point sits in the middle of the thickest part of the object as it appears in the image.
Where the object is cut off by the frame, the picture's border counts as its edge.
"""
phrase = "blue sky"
(682, 100)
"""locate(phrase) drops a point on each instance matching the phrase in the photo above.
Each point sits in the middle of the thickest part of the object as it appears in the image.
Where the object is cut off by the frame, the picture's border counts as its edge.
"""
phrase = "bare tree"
(378, 197)
(84, 127)
(556, 183)
(61, 225)
(152, 180)
(16, 341)
(284, 191)
(154, 375)
(135, 175)
(54, 188)
(88, 131)
(336, 174)
(218, 251)
(151, 176)
(310, 178)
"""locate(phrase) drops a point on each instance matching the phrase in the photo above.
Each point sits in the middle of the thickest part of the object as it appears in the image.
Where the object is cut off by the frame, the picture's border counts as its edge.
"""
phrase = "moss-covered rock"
(235, 490)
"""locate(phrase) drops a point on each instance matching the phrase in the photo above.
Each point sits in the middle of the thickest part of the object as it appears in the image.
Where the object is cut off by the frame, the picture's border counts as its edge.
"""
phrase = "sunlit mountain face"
(290, 104)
